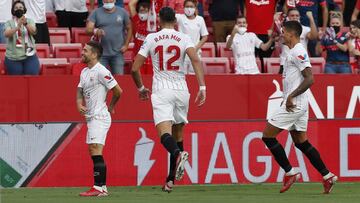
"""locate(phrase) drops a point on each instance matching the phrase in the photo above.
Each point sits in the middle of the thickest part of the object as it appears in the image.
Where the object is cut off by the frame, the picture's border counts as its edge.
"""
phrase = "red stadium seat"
(51, 19)
(223, 51)
(76, 65)
(215, 65)
(67, 50)
(43, 50)
(272, 65)
(318, 64)
(52, 60)
(59, 35)
(208, 50)
(2, 51)
(78, 35)
(56, 69)
(128, 55)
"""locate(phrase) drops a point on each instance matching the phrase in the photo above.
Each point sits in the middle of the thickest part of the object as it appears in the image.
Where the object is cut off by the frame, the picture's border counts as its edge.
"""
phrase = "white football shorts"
(297, 120)
(97, 130)
(170, 105)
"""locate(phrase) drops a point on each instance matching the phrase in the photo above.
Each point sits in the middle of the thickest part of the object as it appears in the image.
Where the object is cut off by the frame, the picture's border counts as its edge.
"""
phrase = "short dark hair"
(167, 15)
(13, 6)
(240, 16)
(142, 3)
(96, 47)
(355, 23)
(193, 1)
(292, 9)
(293, 26)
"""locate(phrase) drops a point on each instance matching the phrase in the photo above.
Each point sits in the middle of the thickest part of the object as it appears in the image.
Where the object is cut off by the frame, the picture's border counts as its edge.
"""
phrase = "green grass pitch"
(262, 193)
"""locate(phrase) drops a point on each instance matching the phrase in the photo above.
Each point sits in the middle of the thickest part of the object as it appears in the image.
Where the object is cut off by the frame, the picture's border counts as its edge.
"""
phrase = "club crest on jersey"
(107, 77)
(303, 58)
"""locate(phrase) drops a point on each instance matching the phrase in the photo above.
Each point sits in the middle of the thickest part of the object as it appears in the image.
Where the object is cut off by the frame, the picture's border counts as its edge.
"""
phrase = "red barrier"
(229, 97)
(220, 152)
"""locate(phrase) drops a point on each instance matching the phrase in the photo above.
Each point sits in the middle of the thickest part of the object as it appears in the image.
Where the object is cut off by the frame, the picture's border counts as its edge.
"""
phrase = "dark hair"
(355, 23)
(293, 26)
(142, 3)
(240, 16)
(96, 47)
(193, 1)
(292, 9)
(167, 15)
(13, 6)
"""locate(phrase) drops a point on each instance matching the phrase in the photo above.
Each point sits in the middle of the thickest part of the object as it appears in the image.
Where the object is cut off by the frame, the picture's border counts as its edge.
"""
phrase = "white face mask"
(109, 6)
(189, 11)
(242, 30)
(143, 16)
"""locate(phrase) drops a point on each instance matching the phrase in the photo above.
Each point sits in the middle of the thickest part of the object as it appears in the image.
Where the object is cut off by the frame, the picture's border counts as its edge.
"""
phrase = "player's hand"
(82, 109)
(100, 33)
(124, 48)
(144, 94)
(235, 30)
(289, 104)
(309, 14)
(200, 98)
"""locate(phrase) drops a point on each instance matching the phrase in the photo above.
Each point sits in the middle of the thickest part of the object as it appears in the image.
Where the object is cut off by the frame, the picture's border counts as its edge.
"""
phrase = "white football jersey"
(243, 48)
(96, 82)
(296, 61)
(167, 49)
(303, 40)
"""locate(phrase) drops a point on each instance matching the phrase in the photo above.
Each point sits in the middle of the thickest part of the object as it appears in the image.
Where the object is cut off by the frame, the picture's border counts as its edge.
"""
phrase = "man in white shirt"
(36, 10)
(95, 82)
(193, 25)
(243, 45)
(170, 95)
(293, 113)
(72, 13)
(5, 11)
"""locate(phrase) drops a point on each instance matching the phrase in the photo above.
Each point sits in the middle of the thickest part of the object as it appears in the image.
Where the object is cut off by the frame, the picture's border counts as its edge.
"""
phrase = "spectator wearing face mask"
(111, 26)
(334, 42)
(193, 25)
(243, 45)
(139, 13)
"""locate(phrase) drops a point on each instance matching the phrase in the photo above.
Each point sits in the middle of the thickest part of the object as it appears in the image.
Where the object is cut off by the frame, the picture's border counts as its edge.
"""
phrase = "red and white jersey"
(96, 82)
(296, 61)
(167, 49)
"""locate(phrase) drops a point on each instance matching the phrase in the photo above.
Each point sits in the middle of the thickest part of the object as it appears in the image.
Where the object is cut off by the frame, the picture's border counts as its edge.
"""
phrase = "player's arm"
(129, 31)
(231, 38)
(195, 61)
(201, 42)
(136, 75)
(132, 7)
(266, 46)
(313, 34)
(117, 91)
(80, 101)
(305, 84)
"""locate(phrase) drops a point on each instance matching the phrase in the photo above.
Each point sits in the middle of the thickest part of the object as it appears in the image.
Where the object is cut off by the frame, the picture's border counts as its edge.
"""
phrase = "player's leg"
(177, 132)
(301, 142)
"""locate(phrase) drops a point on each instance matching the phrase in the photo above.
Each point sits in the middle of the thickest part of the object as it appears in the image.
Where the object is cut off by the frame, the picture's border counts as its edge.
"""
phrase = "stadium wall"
(223, 139)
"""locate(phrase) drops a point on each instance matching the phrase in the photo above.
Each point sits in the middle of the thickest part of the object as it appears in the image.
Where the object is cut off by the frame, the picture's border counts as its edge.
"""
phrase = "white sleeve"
(203, 29)
(301, 58)
(107, 79)
(257, 41)
(145, 47)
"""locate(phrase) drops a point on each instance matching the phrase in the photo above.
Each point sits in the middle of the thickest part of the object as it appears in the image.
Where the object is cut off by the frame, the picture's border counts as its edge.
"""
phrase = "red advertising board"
(220, 152)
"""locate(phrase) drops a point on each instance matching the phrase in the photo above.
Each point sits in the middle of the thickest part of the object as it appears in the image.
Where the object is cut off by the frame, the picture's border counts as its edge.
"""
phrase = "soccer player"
(95, 81)
(293, 113)
(170, 95)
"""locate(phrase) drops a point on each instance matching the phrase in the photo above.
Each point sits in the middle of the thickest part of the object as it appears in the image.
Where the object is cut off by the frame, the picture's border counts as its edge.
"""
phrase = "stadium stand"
(64, 50)
(59, 35)
(208, 50)
(215, 65)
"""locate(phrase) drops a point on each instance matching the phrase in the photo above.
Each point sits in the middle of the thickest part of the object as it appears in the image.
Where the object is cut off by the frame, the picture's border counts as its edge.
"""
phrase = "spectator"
(355, 13)
(139, 13)
(112, 27)
(72, 13)
(36, 11)
(119, 3)
(194, 26)
(354, 43)
(243, 45)
(348, 9)
(261, 24)
(308, 33)
(334, 42)
(223, 15)
(313, 6)
(5, 10)
(20, 56)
